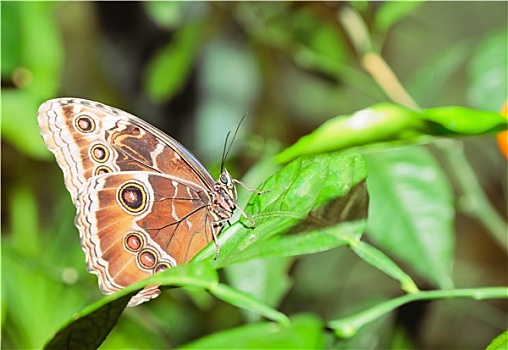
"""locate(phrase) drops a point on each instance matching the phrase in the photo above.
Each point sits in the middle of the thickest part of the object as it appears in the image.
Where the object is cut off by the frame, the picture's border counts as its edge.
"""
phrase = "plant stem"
(347, 327)
(371, 60)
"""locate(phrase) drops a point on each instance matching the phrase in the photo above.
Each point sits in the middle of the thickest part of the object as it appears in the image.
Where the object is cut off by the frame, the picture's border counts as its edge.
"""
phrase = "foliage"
(375, 218)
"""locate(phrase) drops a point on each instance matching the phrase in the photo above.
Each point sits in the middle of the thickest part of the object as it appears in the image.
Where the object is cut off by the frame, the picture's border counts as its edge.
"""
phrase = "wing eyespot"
(102, 169)
(133, 242)
(84, 124)
(162, 266)
(132, 196)
(147, 258)
(99, 153)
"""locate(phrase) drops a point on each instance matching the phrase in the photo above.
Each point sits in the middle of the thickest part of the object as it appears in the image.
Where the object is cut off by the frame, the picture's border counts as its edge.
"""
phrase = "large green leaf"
(304, 332)
(412, 211)
(306, 198)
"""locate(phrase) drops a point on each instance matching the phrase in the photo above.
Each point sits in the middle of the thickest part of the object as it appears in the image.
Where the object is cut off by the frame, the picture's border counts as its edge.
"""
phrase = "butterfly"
(144, 202)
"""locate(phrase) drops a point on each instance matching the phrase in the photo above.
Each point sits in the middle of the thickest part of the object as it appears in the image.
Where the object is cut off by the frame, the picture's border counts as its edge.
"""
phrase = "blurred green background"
(193, 69)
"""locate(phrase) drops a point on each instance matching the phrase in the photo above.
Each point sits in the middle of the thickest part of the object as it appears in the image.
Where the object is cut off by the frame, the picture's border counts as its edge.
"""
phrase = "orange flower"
(502, 137)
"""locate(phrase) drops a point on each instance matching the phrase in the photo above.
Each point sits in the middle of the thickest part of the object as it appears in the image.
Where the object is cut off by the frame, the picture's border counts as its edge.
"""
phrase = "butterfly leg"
(246, 216)
(250, 189)
(214, 235)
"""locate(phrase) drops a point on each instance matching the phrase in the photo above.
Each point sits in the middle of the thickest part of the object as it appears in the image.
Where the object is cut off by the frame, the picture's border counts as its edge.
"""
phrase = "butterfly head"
(225, 196)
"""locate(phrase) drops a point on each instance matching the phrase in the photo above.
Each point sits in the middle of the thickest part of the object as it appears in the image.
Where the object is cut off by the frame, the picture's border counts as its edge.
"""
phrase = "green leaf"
(11, 37)
(19, 109)
(500, 342)
(307, 197)
(24, 216)
(89, 328)
(488, 73)
(167, 14)
(169, 69)
(390, 13)
(23, 309)
(381, 122)
(42, 48)
(267, 279)
(412, 210)
(464, 121)
(389, 122)
(319, 37)
(380, 261)
(37, 57)
(247, 301)
(28, 254)
(33, 52)
(304, 332)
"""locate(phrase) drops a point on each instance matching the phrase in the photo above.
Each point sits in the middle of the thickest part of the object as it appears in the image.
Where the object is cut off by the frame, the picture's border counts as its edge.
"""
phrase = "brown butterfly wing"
(143, 201)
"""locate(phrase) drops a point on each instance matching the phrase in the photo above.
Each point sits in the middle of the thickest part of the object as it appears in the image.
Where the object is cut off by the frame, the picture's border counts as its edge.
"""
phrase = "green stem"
(347, 327)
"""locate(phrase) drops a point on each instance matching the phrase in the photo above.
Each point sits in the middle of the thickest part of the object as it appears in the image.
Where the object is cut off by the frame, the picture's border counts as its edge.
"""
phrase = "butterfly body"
(144, 203)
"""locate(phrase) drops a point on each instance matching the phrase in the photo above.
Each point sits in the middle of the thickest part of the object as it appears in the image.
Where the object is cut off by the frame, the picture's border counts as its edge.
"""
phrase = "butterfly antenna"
(225, 152)
(227, 147)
